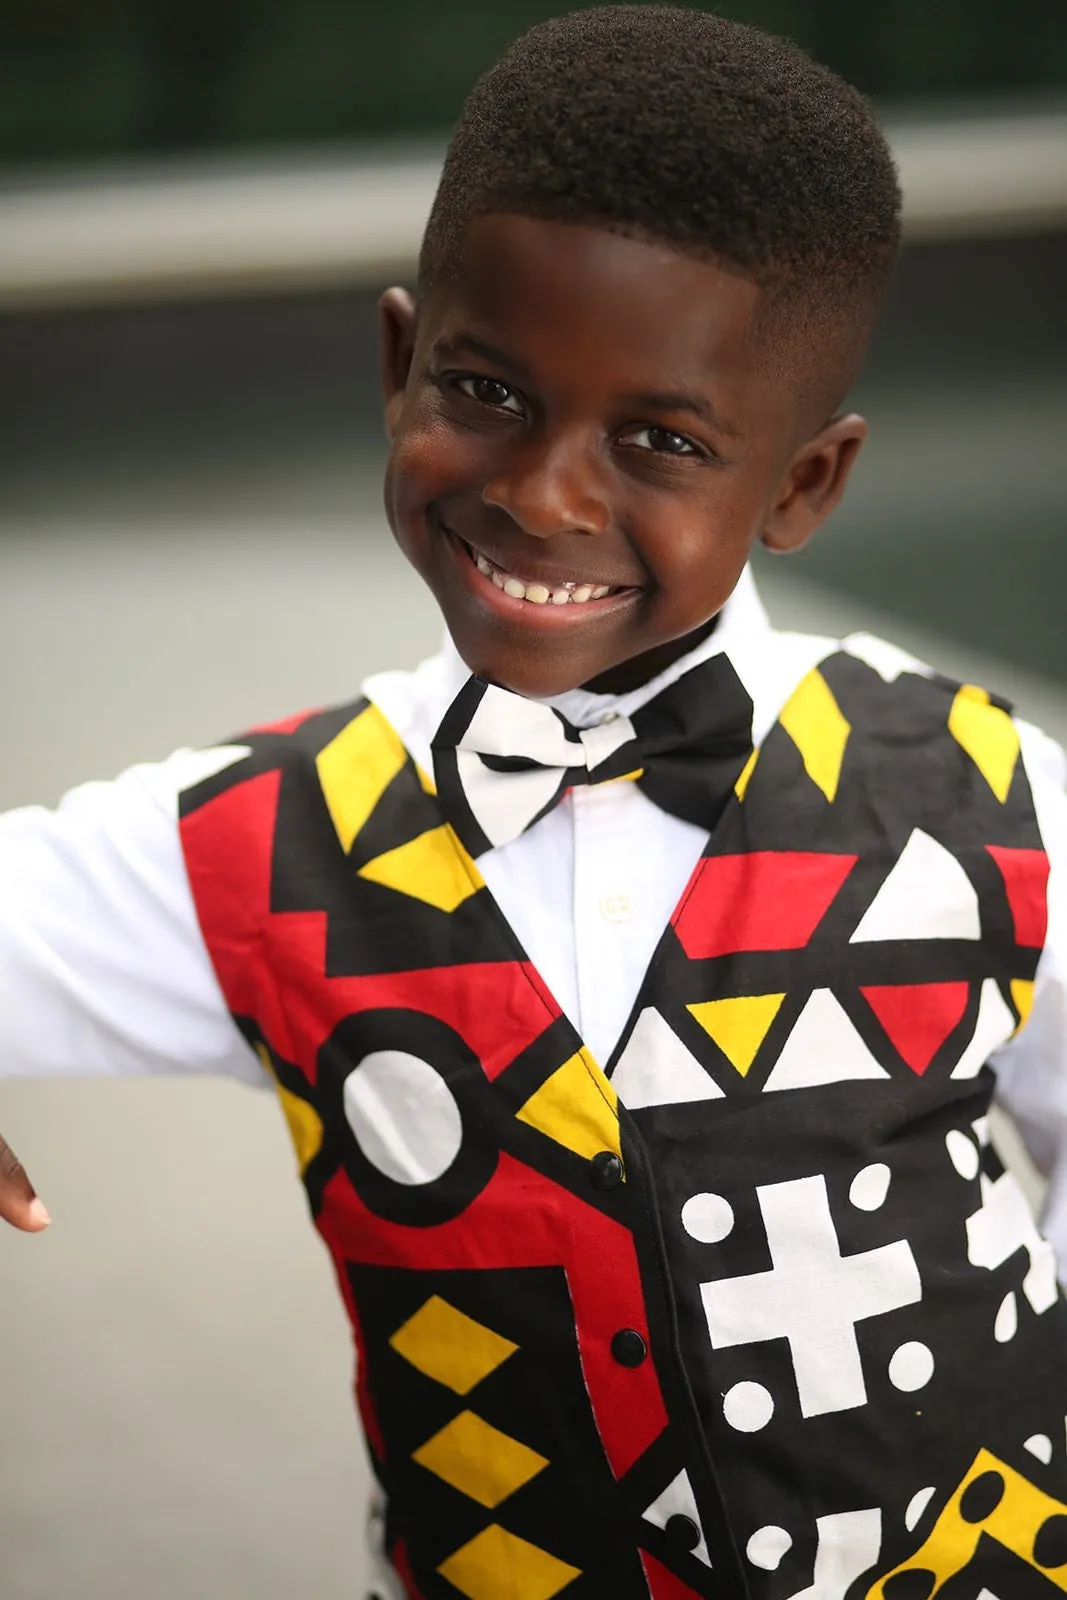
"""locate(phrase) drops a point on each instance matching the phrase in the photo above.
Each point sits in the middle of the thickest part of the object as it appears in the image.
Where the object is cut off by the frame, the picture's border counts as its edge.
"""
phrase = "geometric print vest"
(751, 1309)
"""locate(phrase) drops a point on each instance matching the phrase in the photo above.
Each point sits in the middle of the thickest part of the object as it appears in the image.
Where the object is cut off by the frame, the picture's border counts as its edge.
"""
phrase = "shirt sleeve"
(102, 965)
(1032, 1068)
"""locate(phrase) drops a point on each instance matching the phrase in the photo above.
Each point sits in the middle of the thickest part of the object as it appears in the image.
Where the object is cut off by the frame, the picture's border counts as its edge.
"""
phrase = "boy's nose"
(552, 490)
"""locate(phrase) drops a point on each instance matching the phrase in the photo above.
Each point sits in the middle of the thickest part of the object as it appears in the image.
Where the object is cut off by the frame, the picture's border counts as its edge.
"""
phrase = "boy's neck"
(639, 670)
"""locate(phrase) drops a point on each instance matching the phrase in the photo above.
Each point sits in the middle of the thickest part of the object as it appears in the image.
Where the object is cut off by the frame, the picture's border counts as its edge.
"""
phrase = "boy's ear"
(814, 483)
(396, 327)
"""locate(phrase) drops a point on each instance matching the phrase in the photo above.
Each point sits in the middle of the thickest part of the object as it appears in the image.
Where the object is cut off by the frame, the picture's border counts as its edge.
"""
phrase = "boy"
(629, 972)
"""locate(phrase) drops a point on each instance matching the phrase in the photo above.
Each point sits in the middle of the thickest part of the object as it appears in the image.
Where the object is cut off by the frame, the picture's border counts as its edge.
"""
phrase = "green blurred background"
(89, 78)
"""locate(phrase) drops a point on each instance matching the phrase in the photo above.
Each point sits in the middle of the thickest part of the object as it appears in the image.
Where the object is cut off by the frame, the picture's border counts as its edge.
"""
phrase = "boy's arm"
(1032, 1068)
(102, 966)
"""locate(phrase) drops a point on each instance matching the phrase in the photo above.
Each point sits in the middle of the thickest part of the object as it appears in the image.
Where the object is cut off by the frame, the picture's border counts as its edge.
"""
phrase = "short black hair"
(683, 127)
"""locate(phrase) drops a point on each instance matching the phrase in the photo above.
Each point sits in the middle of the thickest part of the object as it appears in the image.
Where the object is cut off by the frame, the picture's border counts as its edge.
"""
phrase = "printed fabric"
(750, 1309)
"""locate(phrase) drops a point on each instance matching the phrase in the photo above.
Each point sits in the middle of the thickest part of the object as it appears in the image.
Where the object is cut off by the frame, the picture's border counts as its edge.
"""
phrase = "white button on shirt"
(103, 969)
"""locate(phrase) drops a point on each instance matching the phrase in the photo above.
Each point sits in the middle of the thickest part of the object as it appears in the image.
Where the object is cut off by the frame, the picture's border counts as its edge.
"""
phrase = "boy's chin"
(536, 674)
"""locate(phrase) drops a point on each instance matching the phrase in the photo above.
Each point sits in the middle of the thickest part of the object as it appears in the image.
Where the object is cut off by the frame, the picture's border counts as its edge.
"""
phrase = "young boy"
(628, 973)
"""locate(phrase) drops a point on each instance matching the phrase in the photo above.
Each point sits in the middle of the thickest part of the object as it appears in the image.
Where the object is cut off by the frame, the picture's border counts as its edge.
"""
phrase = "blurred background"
(199, 203)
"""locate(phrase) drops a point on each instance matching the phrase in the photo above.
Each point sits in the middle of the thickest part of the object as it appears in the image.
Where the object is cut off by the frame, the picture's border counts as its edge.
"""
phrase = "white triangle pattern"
(678, 1500)
(926, 896)
(657, 1069)
(823, 1047)
(995, 1024)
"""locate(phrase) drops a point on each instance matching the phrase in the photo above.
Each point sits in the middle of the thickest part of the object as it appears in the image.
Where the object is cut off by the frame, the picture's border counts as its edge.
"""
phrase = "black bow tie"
(502, 762)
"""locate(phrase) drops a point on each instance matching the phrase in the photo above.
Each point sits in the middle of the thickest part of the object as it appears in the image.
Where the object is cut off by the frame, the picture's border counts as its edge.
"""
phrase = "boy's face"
(577, 412)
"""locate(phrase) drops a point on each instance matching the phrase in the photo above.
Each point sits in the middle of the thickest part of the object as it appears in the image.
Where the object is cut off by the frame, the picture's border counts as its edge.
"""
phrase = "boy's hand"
(19, 1204)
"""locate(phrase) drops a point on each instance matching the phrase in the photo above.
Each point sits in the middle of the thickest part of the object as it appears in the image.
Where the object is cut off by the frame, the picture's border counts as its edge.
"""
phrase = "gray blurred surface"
(175, 1381)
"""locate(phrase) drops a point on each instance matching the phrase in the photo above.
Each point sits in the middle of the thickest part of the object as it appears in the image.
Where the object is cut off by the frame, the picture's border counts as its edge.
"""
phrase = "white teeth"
(538, 594)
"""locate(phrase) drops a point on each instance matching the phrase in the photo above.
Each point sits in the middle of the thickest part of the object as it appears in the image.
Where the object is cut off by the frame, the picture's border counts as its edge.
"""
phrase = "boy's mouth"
(556, 591)
(563, 593)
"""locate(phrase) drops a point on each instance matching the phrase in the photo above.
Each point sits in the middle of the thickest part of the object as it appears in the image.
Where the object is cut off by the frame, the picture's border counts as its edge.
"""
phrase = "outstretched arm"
(102, 966)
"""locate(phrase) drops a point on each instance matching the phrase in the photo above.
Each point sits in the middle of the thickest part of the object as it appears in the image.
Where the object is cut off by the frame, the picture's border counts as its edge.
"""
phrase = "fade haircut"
(682, 127)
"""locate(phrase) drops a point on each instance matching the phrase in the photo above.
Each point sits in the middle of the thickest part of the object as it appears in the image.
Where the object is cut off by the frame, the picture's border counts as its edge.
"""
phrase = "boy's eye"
(662, 440)
(490, 392)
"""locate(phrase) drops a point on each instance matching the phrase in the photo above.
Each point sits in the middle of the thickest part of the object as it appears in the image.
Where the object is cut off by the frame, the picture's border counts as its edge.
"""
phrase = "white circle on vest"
(911, 1366)
(707, 1218)
(1007, 1323)
(767, 1546)
(748, 1407)
(962, 1152)
(870, 1187)
(404, 1116)
(917, 1505)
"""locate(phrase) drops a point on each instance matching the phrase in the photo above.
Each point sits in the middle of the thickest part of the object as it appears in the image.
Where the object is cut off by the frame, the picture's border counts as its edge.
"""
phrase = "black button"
(628, 1347)
(682, 1531)
(606, 1170)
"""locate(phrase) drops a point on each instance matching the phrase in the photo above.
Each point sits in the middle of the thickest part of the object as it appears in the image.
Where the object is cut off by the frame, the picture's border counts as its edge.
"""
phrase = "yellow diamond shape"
(746, 773)
(813, 720)
(450, 1347)
(497, 1565)
(356, 768)
(738, 1026)
(305, 1124)
(1022, 992)
(434, 868)
(479, 1460)
(988, 735)
(577, 1107)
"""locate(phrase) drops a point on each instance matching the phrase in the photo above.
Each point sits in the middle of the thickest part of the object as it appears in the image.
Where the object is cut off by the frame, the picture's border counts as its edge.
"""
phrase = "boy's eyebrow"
(467, 344)
(683, 402)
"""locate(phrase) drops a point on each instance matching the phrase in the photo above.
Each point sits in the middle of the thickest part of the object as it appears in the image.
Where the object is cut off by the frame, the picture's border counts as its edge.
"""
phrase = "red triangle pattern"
(663, 1585)
(1025, 874)
(918, 1017)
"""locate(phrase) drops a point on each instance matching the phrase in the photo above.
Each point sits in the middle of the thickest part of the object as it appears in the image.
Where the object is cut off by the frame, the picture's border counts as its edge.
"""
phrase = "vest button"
(606, 1170)
(628, 1347)
(682, 1531)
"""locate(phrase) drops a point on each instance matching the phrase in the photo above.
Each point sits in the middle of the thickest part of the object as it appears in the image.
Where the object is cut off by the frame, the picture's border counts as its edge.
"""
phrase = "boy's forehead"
(589, 293)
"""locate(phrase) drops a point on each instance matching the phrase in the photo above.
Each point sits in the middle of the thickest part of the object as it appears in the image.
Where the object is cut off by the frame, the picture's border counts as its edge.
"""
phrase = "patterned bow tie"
(502, 762)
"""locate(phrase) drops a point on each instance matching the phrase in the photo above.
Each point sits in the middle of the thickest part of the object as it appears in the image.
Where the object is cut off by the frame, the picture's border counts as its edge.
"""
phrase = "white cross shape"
(813, 1296)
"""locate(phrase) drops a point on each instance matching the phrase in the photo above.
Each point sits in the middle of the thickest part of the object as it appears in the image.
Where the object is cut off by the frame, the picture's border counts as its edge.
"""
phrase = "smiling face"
(587, 440)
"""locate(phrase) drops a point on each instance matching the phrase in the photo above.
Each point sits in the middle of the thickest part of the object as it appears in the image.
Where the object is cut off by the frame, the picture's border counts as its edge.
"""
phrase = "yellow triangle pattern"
(450, 1347)
(434, 868)
(746, 773)
(738, 1026)
(479, 1460)
(988, 735)
(497, 1565)
(305, 1124)
(356, 768)
(577, 1107)
(814, 721)
(1022, 993)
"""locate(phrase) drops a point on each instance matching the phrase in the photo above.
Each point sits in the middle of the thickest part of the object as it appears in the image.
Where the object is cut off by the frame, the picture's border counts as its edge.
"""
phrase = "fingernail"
(39, 1213)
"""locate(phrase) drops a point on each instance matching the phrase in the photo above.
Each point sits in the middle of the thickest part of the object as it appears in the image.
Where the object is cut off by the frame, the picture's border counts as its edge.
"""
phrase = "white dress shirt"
(103, 968)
